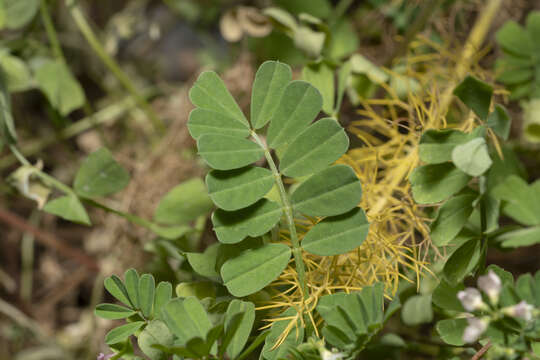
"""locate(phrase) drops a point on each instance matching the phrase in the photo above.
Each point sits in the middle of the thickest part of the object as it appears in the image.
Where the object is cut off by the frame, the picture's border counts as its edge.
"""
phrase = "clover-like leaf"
(436, 146)
(314, 149)
(236, 189)
(100, 175)
(268, 87)
(253, 269)
(476, 95)
(299, 105)
(209, 92)
(337, 234)
(234, 226)
(223, 152)
(332, 191)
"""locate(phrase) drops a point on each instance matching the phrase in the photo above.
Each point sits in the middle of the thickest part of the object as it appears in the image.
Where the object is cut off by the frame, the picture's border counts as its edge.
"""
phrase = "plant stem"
(297, 250)
(111, 64)
(51, 32)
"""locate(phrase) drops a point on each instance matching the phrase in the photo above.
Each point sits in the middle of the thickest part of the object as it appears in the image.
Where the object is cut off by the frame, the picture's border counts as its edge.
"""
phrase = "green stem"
(111, 64)
(51, 181)
(51, 32)
(297, 250)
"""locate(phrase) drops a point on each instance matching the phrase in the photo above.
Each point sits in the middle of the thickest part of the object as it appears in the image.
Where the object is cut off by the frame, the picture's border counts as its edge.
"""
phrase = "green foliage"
(476, 95)
(18, 13)
(288, 107)
(517, 68)
(62, 90)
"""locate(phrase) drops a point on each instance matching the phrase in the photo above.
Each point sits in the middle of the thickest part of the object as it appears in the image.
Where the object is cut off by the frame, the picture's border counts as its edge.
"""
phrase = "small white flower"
(330, 355)
(490, 284)
(475, 328)
(471, 299)
(521, 310)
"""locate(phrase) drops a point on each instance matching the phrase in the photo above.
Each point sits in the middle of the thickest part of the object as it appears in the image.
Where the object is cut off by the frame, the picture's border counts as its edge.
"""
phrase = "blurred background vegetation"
(89, 74)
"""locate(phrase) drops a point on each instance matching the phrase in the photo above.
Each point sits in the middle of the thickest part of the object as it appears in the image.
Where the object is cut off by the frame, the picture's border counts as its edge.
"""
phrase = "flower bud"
(475, 328)
(471, 299)
(521, 310)
(491, 285)
(331, 355)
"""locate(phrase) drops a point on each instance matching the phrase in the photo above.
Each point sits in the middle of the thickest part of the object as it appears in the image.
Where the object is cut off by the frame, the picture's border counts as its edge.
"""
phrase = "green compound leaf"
(18, 13)
(472, 157)
(100, 175)
(476, 95)
(113, 311)
(156, 332)
(329, 192)
(186, 318)
(315, 148)
(203, 121)
(236, 189)
(209, 92)
(437, 182)
(162, 297)
(436, 146)
(234, 226)
(116, 288)
(61, 88)
(462, 261)
(500, 122)
(240, 334)
(184, 203)
(223, 152)
(255, 268)
(131, 281)
(299, 105)
(451, 331)
(121, 333)
(268, 87)
(68, 207)
(451, 218)
(338, 234)
(514, 39)
(293, 339)
(147, 286)
(321, 76)
(521, 201)
(417, 310)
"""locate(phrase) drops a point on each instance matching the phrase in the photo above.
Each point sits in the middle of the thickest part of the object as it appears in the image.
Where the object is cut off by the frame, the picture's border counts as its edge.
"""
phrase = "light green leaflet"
(436, 146)
(241, 334)
(253, 269)
(209, 92)
(156, 332)
(268, 87)
(322, 77)
(299, 105)
(61, 88)
(186, 318)
(329, 192)
(228, 152)
(121, 333)
(131, 281)
(521, 201)
(338, 234)
(203, 121)
(472, 157)
(68, 207)
(146, 294)
(476, 95)
(236, 189)
(315, 148)
(417, 310)
(234, 226)
(113, 311)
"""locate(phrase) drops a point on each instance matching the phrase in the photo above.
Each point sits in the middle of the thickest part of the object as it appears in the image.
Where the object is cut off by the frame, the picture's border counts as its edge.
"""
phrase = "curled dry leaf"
(237, 22)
